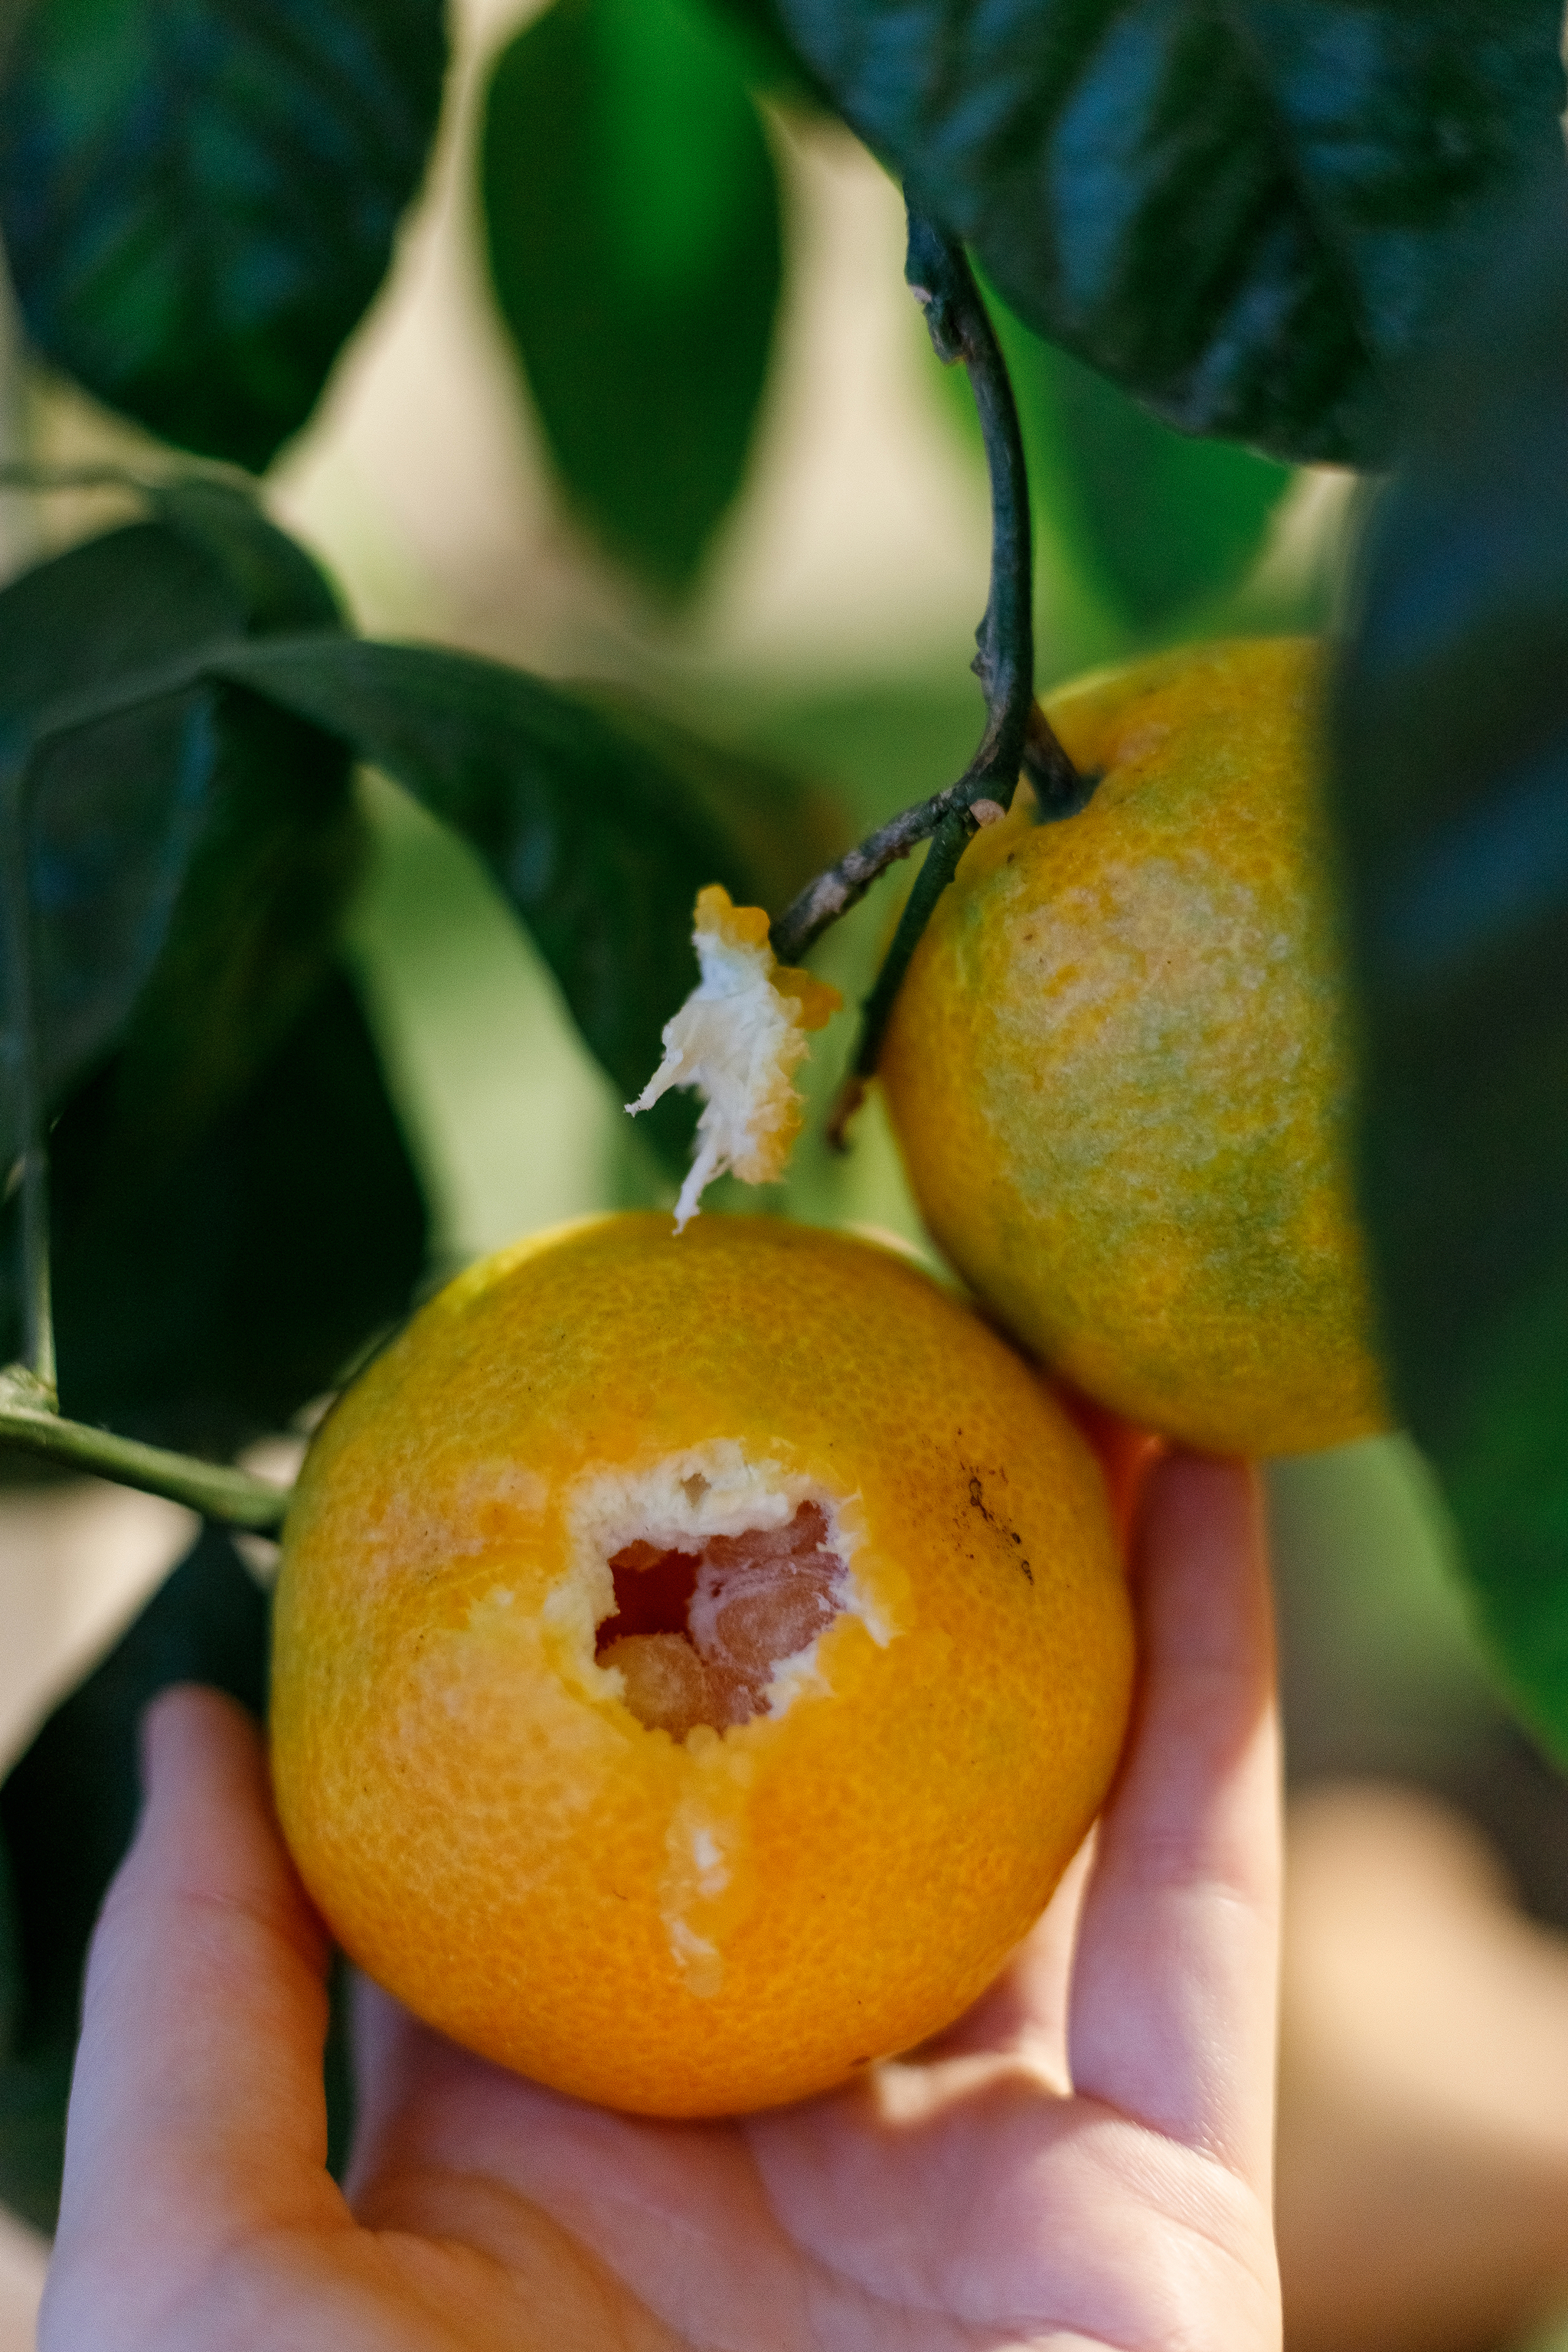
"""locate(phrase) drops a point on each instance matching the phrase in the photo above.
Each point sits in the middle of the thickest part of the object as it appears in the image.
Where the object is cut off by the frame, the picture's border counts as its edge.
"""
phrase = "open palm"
(1084, 2160)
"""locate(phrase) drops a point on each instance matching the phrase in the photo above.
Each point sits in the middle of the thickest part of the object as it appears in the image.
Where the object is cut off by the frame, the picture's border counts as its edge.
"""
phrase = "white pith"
(679, 1504)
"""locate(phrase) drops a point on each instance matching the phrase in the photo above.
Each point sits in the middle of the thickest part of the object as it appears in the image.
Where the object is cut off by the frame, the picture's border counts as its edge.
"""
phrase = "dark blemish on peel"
(977, 1502)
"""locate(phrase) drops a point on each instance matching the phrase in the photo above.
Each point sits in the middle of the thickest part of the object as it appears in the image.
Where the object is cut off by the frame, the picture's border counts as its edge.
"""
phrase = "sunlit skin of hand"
(964, 2201)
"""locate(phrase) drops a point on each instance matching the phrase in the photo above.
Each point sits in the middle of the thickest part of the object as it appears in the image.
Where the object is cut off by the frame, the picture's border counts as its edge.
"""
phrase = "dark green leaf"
(199, 198)
(769, 59)
(632, 213)
(1452, 731)
(253, 929)
(205, 1299)
(278, 586)
(271, 870)
(1250, 215)
(66, 1813)
(130, 601)
(188, 856)
(1157, 519)
(783, 830)
(593, 838)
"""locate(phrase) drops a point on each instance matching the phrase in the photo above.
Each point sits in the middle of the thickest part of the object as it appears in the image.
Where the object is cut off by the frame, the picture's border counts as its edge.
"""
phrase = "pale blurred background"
(833, 630)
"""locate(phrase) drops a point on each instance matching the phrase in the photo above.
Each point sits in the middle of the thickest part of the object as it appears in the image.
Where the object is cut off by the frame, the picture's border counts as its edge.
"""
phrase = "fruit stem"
(1017, 732)
(29, 1419)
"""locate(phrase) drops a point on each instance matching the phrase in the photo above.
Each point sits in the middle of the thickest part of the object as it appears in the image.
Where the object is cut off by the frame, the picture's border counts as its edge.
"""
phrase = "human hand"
(963, 2197)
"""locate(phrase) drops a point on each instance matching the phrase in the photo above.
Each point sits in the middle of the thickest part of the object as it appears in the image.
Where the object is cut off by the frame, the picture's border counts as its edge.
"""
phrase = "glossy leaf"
(188, 856)
(632, 217)
(277, 584)
(203, 1298)
(782, 829)
(1452, 732)
(199, 199)
(1250, 216)
(1158, 521)
(591, 837)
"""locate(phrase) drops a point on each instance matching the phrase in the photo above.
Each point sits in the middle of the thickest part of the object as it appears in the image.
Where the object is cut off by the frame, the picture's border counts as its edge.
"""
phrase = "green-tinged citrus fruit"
(1117, 1065)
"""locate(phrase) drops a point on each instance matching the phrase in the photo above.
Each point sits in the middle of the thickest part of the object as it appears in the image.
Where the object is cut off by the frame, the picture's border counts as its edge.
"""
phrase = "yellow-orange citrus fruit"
(695, 1660)
(1118, 1072)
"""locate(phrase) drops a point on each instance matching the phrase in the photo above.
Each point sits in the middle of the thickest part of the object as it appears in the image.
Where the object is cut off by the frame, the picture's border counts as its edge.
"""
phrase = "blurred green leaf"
(600, 835)
(1158, 524)
(199, 198)
(594, 840)
(1452, 796)
(1250, 216)
(189, 856)
(879, 745)
(68, 1810)
(632, 217)
(202, 1299)
(769, 59)
(1158, 520)
(277, 584)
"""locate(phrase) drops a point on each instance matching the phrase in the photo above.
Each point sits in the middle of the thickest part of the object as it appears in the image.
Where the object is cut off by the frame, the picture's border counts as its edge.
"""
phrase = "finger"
(1174, 1991)
(197, 2107)
(1126, 1452)
(390, 2057)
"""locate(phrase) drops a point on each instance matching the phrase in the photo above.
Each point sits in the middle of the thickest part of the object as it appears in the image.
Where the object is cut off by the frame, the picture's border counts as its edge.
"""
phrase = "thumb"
(198, 2112)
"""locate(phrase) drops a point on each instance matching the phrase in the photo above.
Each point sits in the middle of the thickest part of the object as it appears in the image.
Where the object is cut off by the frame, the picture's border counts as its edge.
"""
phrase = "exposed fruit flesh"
(697, 1634)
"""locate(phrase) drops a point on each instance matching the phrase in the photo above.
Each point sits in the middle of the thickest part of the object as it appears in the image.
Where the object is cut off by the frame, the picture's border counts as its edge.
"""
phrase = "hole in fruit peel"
(697, 1634)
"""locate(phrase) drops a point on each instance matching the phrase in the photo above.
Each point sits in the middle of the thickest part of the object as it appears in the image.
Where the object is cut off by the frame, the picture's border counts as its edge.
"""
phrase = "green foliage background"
(310, 911)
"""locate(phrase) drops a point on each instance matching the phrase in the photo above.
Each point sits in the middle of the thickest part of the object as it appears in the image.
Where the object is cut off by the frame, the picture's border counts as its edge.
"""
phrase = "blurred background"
(826, 636)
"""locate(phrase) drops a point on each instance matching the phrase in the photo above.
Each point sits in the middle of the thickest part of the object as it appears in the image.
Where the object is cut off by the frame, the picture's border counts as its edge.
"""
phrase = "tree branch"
(1016, 729)
(28, 1420)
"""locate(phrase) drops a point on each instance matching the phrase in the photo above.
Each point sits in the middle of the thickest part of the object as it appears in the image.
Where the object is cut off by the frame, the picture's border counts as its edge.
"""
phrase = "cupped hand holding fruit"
(965, 2195)
(696, 1665)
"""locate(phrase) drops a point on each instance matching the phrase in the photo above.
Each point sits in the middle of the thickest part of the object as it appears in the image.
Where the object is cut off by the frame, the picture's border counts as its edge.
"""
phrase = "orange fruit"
(695, 1660)
(1118, 1072)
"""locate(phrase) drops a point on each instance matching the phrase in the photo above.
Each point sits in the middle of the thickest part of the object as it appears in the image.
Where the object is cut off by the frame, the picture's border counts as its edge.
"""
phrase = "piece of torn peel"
(736, 1039)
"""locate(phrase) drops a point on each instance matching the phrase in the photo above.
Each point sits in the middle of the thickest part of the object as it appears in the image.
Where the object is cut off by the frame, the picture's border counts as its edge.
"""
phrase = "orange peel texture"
(737, 1040)
(1119, 1069)
(694, 1667)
